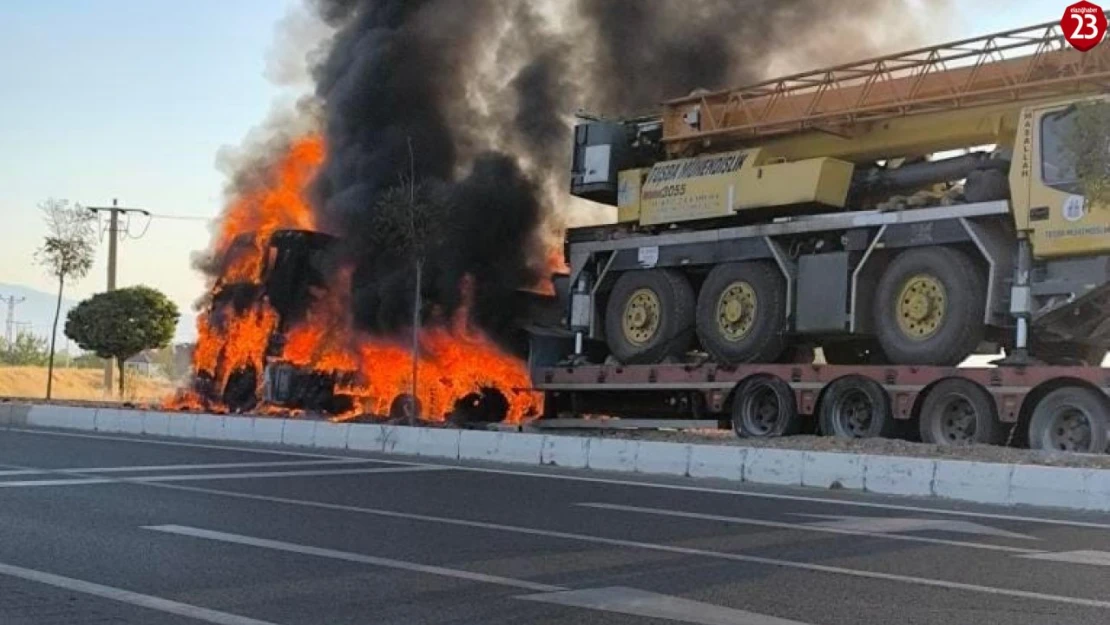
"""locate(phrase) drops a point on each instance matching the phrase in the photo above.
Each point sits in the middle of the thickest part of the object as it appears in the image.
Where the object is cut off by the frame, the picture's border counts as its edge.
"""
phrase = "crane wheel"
(764, 406)
(1070, 418)
(929, 307)
(856, 407)
(741, 313)
(958, 411)
(650, 316)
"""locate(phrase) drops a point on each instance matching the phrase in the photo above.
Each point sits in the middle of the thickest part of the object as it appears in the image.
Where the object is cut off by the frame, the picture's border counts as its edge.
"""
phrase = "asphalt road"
(120, 530)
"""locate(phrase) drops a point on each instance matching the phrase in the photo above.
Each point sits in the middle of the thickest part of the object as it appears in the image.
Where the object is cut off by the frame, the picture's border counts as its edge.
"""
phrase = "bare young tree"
(66, 253)
(412, 218)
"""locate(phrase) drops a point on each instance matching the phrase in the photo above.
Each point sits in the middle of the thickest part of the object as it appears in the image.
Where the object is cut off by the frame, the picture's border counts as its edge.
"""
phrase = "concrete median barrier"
(978, 482)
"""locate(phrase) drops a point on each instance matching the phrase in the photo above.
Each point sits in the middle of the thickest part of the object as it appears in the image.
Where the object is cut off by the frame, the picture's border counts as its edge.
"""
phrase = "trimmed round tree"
(122, 323)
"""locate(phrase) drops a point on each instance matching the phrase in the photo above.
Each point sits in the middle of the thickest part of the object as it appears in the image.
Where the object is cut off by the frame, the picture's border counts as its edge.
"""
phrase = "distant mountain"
(36, 313)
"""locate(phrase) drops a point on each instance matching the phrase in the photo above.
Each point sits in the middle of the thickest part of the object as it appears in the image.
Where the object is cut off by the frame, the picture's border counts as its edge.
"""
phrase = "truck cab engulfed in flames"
(295, 271)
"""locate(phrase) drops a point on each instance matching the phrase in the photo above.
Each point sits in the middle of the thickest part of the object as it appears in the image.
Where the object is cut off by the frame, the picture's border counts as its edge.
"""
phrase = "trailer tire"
(741, 313)
(764, 406)
(649, 316)
(929, 307)
(959, 411)
(856, 407)
(1070, 418)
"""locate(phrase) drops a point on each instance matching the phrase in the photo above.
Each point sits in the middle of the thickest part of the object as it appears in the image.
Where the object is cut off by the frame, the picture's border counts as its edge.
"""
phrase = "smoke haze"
(476, 98)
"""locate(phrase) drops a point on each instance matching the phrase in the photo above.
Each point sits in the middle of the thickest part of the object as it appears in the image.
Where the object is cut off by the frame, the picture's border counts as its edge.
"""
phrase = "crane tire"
(650, 316)
(929, 307)
(741, 313)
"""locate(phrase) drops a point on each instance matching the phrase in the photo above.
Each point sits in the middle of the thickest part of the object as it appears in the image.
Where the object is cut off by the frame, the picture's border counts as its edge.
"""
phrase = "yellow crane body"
(913, 208)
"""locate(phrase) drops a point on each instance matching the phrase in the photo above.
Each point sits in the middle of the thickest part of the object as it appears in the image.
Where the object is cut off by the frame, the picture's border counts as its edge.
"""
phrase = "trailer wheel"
(1071, 418)
(959, 411)
(649, 316)
(764, 407)
(741, 313)
(856, 407)
(929, 307)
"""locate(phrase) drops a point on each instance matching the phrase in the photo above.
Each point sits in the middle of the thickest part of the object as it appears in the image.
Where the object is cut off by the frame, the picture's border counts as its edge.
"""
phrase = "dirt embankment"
(78, 384)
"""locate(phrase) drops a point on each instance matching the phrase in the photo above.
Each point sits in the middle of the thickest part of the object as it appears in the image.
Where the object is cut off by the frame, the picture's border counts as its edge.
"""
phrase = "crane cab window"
(1057, 169)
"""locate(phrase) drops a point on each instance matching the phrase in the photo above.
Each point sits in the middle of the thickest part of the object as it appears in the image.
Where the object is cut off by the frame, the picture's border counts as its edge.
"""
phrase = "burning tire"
(650, 316)
(1071, 418)
(765, 407)
(929, 307)
(488, 405)
(856, 407)
(959, 411)
(405, 406)
(741, 313)
(241, 391)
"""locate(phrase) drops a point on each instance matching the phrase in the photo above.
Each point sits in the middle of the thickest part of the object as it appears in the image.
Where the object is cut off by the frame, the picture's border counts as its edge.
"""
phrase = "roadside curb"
(976, 482)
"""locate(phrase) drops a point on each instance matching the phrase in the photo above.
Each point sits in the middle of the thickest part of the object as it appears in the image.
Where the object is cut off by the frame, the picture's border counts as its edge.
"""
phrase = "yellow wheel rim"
(641, 317)
(736, 311)
(921, 307)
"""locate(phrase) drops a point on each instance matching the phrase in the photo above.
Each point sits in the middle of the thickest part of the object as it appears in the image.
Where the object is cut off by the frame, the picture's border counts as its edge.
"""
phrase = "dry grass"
(77, 384)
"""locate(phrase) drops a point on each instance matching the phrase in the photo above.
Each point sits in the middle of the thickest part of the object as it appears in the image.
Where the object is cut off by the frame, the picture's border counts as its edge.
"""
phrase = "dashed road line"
(126, 596)
(805, 527)
(690, 551)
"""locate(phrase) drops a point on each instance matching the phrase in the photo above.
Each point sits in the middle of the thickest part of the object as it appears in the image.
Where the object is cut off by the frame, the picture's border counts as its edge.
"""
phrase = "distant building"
(144, 364)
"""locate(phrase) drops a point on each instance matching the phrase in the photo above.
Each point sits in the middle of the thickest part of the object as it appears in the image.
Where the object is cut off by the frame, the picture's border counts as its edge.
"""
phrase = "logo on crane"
(1084, 25)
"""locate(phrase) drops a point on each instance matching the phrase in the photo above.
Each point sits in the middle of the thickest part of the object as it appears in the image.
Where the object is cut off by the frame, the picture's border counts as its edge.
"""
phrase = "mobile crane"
(827, 209)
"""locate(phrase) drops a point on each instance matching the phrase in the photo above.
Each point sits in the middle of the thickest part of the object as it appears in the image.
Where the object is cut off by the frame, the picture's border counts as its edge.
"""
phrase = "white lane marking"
(204, 467)
(1091, 557)
(637, 602)
(126, 596)
(805, 527)
(20, 472)
(612, 481)
(319, 552)
(617, 542)
(783, 497)
(215, 476)
(617, 599)
(66, 482)
(273, 474)
(182, 467)
(151, 441)
(885, 525)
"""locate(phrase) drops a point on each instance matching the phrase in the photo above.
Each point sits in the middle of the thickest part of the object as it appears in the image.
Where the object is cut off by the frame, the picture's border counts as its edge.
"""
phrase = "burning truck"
(290, 292)
(278, 334)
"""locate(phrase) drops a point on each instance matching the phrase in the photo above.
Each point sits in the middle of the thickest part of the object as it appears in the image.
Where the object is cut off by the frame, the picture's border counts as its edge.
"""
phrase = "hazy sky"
(132, 99)
(127, 99)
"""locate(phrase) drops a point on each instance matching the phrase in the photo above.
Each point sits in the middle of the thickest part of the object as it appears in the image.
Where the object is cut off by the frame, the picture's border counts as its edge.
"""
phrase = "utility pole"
(10, 325)
(114, 211)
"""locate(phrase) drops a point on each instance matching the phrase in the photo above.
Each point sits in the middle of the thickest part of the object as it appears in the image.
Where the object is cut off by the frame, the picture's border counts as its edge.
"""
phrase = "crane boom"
(1020, 65)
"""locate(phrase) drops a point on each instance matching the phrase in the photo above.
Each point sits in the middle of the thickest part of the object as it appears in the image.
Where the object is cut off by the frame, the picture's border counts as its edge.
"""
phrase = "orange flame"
(455, 359)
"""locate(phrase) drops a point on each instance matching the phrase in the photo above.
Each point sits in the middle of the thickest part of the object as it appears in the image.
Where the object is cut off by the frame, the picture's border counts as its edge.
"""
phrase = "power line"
(180, 217)
(114, 211)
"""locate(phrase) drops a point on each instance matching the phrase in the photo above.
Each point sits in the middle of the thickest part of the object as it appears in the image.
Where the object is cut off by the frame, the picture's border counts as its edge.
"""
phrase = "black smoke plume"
(475, 97)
